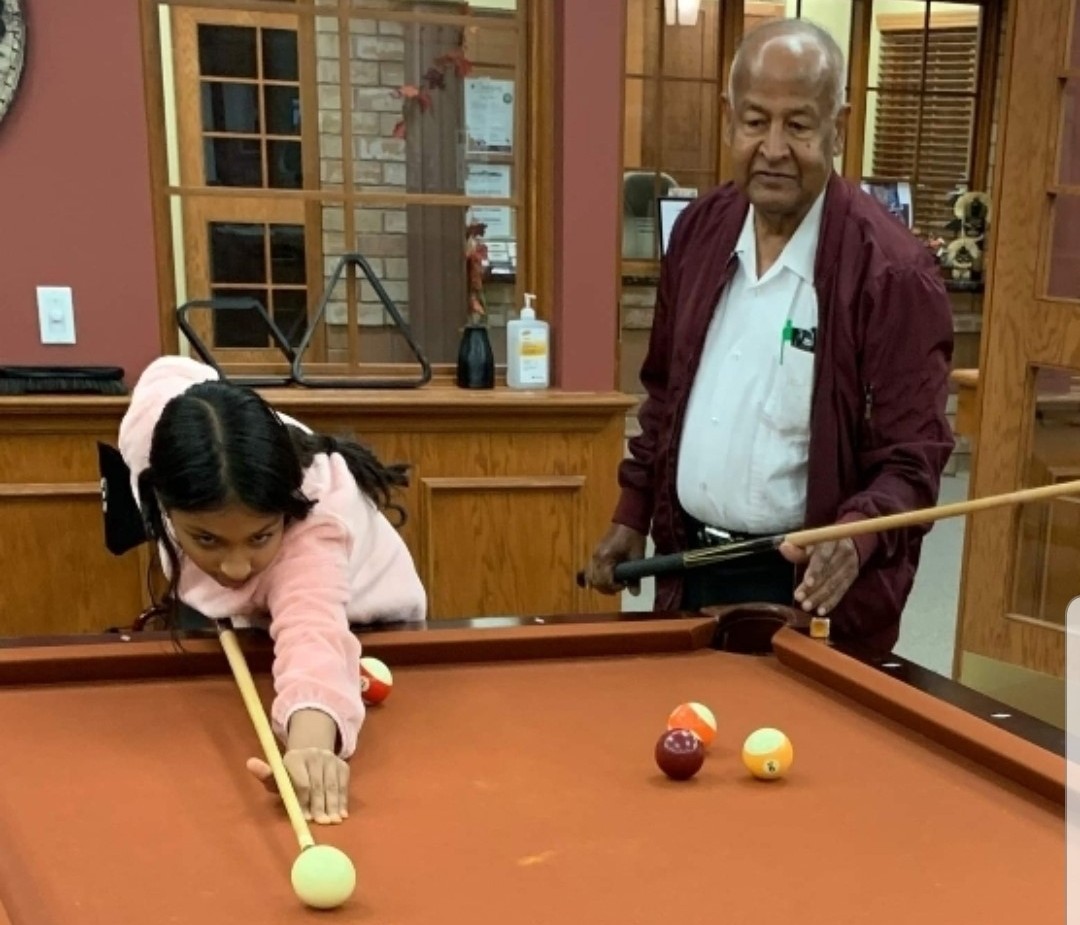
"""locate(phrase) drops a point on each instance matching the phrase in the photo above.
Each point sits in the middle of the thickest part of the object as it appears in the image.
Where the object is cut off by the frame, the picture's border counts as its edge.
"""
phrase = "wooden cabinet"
(509, 492)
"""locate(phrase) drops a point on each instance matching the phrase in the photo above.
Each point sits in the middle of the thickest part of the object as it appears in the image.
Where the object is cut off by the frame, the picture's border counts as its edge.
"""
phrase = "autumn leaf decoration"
(420, 97)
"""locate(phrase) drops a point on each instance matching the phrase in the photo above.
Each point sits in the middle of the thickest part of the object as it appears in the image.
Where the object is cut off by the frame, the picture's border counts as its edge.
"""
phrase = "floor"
(928, 627)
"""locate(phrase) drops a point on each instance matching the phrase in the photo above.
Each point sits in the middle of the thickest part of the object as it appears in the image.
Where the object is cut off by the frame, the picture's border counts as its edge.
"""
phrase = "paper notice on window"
(489, 116)
(490, 181)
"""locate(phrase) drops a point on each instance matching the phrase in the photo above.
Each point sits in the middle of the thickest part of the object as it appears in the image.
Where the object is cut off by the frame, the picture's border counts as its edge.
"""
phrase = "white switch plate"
(56, 314)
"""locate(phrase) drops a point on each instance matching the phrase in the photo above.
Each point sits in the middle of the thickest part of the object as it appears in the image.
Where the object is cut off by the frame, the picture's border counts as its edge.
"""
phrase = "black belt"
(704, 535)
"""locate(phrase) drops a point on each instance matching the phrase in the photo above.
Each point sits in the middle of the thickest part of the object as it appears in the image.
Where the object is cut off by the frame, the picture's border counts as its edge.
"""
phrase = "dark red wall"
(589, 184)
(74, 176)
(74, 171)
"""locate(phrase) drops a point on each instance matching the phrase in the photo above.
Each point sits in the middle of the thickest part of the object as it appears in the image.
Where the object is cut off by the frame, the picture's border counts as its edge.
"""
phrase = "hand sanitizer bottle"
(528, 350)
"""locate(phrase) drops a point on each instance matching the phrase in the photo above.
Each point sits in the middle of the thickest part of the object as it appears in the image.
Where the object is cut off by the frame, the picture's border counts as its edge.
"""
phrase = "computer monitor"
(668, 209)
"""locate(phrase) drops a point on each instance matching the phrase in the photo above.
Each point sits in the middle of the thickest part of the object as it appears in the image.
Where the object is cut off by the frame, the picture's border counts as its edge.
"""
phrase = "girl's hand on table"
(320, 779)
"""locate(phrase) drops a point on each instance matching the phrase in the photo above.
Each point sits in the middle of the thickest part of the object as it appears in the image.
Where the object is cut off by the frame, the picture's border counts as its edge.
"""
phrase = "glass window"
(378, 127)
(920, 106)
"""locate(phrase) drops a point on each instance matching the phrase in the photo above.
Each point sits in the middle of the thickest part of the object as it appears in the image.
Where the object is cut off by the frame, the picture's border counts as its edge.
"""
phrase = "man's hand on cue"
(619, 544)
(832, 568)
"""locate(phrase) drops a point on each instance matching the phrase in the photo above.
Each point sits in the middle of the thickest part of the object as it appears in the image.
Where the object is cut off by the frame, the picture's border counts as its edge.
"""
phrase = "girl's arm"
(317, 657)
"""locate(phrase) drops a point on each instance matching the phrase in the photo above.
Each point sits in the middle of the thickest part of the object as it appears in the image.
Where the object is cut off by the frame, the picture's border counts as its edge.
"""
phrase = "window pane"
(227, 51)
(897, 51)
(418, 255)
(641, 188)
(945, 138)
(1064, 281)
(643, 19)
(233, 162)
(1069, 170)
(230, 107)
(757, 14)
(280, 61)
(240, 327)
(833, 16)
(237, 252)
(282, 110)
(1048, 538)
(892, 121)
(287, 254)
(418, 120)
(284, 165)
(690, 123)
(702, 181)
(634, 123)
(290, 313)
(691, 51)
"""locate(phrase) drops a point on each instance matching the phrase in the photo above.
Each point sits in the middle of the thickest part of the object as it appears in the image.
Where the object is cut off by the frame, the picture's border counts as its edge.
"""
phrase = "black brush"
(62, 380)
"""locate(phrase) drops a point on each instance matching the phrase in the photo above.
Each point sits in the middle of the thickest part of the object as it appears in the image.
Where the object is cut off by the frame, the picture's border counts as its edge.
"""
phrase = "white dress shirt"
(742, 459)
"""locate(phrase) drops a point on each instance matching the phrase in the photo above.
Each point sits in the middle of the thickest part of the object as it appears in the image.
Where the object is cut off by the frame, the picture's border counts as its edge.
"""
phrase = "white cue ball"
(323, 877)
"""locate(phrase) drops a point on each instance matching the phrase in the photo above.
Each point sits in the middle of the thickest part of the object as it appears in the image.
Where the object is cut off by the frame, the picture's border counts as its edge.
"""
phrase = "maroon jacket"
(879, 438)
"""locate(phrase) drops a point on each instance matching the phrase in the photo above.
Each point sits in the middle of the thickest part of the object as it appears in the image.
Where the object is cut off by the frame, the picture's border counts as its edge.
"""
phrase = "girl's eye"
(206, 541)
(262, 539)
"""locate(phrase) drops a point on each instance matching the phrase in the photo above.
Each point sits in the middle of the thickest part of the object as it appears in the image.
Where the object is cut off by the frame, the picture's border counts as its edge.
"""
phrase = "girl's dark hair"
(219, 443)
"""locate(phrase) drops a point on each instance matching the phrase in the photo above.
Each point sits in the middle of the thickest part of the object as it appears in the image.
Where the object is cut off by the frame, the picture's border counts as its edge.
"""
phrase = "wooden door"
(1022, 566)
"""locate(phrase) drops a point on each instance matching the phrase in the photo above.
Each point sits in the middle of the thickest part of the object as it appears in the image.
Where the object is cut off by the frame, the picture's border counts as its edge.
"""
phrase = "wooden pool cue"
(255, 710)
(695, 558)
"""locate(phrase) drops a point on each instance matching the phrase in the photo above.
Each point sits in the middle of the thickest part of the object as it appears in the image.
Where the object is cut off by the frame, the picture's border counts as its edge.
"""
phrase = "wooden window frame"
(532, 196)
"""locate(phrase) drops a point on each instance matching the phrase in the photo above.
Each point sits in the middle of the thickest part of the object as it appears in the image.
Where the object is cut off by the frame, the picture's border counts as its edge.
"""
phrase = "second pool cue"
(637, 569)
(246, 684)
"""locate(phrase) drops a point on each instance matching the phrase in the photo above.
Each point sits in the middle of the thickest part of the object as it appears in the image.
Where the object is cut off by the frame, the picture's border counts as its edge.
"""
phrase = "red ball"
(680, 754)
(376, 681)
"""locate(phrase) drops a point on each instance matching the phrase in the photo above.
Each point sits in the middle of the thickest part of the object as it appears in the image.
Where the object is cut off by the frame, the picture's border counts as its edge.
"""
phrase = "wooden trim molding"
(51, 490)
(939, 19)
(858, 81)
(505, 483)
(540, 153)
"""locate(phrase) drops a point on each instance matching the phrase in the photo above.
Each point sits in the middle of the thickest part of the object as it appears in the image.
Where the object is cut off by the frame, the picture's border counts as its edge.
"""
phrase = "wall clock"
(12, 51)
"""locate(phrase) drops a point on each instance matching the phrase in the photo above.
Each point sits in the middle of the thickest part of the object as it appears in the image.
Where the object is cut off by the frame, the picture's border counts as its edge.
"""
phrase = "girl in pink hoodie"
(261, 521)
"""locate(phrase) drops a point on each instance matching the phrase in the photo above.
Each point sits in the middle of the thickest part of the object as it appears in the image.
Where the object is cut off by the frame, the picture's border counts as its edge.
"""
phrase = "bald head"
(797, 48)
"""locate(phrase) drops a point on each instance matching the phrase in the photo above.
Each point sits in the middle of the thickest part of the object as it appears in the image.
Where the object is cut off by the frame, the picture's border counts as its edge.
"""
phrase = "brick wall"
(377, 160)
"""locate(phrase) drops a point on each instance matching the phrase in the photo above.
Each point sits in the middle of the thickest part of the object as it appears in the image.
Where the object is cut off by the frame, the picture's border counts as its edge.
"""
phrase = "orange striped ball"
(696, 717)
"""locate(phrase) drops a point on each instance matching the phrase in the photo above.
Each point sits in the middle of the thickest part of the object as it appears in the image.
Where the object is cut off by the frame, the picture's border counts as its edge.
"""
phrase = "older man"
(798, 365)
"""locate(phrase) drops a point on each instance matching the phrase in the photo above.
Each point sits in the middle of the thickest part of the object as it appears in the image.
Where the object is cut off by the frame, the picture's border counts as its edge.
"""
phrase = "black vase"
(476, 359)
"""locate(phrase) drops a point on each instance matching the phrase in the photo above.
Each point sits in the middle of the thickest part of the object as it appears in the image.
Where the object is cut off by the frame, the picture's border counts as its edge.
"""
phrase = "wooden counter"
(509, 492)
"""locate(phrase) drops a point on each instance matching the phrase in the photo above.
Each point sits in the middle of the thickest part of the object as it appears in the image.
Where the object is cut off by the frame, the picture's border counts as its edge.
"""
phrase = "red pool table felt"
(502, 788)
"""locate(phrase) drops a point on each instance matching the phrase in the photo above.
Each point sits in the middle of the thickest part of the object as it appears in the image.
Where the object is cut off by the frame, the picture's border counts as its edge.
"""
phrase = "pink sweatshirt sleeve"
(316, 655)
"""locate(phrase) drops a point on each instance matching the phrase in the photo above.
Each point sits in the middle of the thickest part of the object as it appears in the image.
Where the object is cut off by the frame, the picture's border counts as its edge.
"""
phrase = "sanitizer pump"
(528, 350)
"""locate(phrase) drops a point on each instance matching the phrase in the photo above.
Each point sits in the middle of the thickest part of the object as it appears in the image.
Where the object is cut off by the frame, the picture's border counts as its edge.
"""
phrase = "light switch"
(56, 314)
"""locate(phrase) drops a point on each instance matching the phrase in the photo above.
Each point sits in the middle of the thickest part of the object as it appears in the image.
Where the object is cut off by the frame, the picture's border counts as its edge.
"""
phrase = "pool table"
(509, 778)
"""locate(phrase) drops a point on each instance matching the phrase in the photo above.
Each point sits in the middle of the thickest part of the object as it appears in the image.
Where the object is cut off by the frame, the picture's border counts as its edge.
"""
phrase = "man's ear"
(728, 129)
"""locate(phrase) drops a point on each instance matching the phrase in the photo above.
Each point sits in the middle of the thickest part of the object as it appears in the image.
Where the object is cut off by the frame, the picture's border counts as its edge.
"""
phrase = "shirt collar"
(798, 254)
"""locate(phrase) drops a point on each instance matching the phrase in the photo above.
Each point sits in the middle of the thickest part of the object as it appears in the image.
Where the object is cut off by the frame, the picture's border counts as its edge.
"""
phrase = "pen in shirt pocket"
(785, 338)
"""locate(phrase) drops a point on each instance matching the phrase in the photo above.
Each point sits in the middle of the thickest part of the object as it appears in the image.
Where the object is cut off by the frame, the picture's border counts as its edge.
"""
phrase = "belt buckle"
(714, 535)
